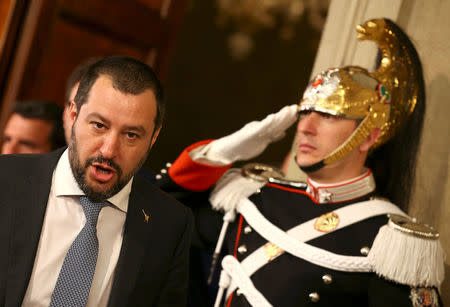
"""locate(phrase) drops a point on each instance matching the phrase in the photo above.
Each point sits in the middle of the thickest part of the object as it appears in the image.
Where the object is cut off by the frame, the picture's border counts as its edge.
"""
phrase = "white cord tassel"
(407, 259)
(227, 218)
(224, 282)
(236, 272)
(229, 190)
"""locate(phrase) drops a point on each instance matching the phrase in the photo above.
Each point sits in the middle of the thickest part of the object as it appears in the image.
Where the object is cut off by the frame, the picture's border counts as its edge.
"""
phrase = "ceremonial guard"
(337, 239)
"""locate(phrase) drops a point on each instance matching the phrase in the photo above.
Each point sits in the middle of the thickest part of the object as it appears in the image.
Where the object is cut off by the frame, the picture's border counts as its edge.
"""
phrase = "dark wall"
(209, 94)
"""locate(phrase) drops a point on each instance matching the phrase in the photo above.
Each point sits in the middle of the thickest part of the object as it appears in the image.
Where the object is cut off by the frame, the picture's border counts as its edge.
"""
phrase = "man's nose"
(308, 123)
(110, 146)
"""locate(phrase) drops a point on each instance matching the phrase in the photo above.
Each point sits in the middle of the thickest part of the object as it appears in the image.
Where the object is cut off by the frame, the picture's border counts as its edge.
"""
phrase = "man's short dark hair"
(47, 111)
(76, 75)
(129, 76)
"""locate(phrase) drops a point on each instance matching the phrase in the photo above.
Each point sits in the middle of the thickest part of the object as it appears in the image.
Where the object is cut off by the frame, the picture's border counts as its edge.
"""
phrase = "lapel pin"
(146, 216)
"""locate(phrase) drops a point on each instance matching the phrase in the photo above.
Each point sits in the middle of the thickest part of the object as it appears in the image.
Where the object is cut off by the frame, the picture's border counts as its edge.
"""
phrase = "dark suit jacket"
(152, 269)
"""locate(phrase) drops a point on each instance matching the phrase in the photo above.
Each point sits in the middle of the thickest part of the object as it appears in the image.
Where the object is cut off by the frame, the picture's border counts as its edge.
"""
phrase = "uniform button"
(365, 250)
(242, 249)
(314, 297)
(163, 171)
(247, 229)
(238, 292)
(168, 164)
(258, 191)
(158, 176)
(327, 279)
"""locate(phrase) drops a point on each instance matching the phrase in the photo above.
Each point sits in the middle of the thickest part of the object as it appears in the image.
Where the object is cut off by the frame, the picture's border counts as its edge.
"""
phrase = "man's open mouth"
(102, 172)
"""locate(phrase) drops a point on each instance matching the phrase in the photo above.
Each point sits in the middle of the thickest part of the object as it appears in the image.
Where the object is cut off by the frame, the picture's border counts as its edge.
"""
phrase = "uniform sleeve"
(189, 182)
(192, 175)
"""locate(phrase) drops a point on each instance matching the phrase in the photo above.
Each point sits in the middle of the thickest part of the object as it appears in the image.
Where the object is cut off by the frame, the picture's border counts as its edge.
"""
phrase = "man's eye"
(304, 114)
(98, 125)
(326, 115)
(132, 135)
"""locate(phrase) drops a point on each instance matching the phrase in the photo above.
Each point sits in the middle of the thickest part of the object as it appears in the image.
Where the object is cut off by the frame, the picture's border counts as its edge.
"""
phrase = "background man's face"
(111, 137)
(26, 135)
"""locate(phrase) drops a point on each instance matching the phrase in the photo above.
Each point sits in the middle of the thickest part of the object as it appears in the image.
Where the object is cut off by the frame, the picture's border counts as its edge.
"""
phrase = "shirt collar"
(342, 191)
(66, 185)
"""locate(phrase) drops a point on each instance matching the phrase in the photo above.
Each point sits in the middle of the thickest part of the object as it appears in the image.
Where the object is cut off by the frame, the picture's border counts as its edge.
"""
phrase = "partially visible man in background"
(33, 127)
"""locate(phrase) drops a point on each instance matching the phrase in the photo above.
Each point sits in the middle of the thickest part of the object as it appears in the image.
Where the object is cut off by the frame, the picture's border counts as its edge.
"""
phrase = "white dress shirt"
(64, 219)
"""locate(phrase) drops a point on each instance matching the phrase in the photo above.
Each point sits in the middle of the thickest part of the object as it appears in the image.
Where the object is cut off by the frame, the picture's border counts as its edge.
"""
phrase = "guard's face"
(26, 135)
(319, 134)
(111, 138)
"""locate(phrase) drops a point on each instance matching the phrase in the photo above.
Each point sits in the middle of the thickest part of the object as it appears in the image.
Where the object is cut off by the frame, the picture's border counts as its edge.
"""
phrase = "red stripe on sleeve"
(238, 235)
(193, 175)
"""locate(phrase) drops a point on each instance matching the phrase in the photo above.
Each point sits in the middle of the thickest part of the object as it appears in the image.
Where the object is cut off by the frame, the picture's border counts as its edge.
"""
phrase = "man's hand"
(252, 139)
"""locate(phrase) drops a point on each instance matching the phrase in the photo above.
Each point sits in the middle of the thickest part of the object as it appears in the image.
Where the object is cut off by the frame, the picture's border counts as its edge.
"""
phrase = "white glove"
(230, 189)
(252, 139)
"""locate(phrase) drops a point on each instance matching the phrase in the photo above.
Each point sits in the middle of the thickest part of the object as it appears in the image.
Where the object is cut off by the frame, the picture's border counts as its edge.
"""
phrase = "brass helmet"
(383, 99)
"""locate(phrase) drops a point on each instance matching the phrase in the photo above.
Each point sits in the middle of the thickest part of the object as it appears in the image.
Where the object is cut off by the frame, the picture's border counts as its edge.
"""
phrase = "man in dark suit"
(77, 227)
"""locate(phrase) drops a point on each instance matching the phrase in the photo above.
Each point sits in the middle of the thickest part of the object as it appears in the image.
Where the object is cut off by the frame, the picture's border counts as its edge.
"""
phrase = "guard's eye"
(326, 115)
(304, 113)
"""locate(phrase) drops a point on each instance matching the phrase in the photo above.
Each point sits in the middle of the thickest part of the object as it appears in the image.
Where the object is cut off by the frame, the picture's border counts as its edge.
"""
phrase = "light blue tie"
(75, 278)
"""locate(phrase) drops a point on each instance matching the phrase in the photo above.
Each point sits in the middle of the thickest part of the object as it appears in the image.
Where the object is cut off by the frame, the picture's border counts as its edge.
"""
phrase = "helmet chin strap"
(310, 168)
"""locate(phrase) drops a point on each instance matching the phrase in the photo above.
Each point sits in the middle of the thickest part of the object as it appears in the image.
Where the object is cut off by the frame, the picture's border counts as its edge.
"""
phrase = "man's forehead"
(124, 109)
(17, 119)
(28, 128)
(104, 82)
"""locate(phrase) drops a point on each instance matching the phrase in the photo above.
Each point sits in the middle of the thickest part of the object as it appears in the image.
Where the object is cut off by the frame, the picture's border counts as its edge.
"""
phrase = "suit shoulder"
(17, 167)
(161, 199)
(28, 162)
(16, 160)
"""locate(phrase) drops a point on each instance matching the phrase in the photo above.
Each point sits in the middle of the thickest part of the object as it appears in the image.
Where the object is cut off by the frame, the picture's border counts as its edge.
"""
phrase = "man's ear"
(154, 137)
(73, 112)
(370, 140)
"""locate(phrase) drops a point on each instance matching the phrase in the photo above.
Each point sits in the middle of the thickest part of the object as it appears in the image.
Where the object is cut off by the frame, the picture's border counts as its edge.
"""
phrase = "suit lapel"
(137, 234)
(30, 202)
